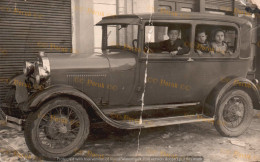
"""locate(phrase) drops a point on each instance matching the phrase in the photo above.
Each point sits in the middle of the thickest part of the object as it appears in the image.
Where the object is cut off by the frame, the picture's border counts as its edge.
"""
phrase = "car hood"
(77, 61)
(115, 60)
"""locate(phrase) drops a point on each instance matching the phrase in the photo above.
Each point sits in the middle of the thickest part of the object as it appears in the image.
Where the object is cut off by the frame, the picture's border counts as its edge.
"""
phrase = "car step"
(9, 121)
(156, 122)
(122, 110)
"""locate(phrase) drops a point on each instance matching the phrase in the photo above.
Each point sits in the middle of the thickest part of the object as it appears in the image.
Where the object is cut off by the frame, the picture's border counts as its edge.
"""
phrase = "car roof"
(136, 18)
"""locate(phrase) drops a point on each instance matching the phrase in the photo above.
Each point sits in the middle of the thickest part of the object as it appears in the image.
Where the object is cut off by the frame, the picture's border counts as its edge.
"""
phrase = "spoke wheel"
(234, 113)
(58, 129)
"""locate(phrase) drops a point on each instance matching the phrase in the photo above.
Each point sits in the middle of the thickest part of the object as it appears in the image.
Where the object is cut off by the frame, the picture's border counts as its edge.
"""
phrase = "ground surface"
(197, 139)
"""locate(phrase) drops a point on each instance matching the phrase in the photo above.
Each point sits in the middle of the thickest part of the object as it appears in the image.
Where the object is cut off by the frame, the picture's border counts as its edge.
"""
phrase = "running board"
(123, 110)
(157, 122)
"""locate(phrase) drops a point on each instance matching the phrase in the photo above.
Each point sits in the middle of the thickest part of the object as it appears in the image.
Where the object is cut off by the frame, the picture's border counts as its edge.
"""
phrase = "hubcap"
(63, 129)
(233, 112)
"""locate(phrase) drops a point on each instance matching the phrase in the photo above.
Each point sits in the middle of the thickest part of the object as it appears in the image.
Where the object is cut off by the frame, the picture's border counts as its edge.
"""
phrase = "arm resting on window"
(184, 50)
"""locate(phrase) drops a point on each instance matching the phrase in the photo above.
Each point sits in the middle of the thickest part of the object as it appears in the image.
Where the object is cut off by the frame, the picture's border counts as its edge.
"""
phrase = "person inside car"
(202, 45)
(173, 45)
(219, 45)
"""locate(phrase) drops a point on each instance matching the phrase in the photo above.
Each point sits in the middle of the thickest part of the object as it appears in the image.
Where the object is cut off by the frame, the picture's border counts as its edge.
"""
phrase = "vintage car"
(133, 83)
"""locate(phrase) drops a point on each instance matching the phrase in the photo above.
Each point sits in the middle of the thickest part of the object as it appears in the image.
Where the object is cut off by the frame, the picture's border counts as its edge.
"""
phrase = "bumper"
(9, 121)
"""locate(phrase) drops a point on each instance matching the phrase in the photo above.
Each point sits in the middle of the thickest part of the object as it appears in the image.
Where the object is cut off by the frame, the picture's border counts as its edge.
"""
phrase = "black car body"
(127, 78)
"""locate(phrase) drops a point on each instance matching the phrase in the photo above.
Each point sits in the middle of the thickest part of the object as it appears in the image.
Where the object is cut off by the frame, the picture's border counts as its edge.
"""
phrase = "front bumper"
(9, 121)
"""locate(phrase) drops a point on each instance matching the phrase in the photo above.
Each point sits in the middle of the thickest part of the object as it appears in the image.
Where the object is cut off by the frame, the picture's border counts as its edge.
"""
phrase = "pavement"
(196, 139)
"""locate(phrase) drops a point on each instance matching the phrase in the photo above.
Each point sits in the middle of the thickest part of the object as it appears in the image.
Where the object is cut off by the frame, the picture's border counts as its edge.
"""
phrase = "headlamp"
(28, 68)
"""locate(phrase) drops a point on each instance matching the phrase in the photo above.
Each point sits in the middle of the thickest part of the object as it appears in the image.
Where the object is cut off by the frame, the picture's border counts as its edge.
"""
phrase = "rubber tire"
(246, 121)
(30, 130)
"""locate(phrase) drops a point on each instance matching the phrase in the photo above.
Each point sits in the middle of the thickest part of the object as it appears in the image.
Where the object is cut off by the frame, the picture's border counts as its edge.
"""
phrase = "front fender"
(40, 97)
(224, 86)
(21, 93)
(19, 77)
(51, 92)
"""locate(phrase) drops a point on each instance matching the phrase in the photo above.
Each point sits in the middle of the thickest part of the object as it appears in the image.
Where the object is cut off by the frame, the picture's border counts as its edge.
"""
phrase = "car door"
(168, 78)
(219, 65)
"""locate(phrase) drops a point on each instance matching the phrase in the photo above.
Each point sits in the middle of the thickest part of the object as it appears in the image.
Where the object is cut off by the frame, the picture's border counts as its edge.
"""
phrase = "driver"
(173, 45)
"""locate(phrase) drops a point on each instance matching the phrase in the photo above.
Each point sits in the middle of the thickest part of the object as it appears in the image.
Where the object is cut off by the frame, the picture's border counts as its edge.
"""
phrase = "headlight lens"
(40, 73)
(42, 68)
(38, 79)
(39, 70)
(28, 68)
(25, 71)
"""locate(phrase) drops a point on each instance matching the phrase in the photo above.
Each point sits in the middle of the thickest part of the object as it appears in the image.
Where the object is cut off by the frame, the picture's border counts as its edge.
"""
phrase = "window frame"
(105, 40)
(236, 53)
(167, 56)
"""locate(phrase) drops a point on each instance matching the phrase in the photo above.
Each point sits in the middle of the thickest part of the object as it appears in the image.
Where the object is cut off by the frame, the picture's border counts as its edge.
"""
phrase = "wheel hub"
(63, 129)
(57, 124)
(234, 111)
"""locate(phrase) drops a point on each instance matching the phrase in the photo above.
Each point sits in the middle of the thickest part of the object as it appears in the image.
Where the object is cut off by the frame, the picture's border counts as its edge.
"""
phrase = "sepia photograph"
(130, 80)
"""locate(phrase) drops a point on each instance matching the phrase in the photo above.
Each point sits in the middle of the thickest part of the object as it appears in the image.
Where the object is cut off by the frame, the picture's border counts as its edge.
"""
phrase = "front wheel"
(234, 113)
(57, 130)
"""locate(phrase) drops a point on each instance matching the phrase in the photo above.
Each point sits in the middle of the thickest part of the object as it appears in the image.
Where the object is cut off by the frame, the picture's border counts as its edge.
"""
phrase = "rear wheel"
(57, 130)
(234, 113)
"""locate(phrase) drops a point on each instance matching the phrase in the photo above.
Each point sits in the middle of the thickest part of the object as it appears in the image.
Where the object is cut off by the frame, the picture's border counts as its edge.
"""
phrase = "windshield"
(122, 37)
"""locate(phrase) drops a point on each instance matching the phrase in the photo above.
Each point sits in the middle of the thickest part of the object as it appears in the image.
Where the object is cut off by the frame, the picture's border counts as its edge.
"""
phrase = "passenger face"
(201, 37)
(219, 37)
(173, 35)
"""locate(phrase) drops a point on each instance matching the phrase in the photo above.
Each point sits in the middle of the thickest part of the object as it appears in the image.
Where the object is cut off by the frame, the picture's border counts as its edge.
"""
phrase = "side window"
(215, 40)
(167, 8)
(185, 9)
(123, 37)
(172, 38)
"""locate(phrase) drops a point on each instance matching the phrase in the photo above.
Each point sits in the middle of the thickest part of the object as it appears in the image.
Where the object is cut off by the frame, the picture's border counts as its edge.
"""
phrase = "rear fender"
(226, 85)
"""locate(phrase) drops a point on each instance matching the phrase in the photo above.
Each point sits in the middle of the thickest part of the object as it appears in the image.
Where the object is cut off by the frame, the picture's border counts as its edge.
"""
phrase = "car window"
(167, 38)
(123, 37)
(215, 40)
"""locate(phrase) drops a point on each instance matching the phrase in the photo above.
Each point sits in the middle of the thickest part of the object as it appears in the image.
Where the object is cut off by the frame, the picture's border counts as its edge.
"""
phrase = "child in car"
(174, 45)
(219, 45)
(202, 45)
